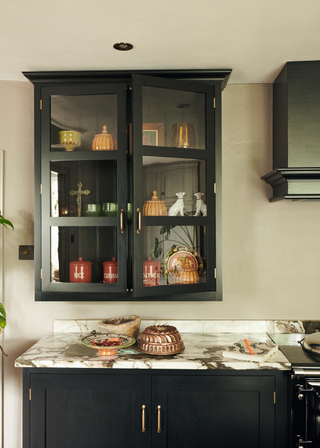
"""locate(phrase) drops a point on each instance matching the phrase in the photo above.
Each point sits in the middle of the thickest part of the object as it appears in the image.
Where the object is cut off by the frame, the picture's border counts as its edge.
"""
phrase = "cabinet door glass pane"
(84, 254)
(84, 188)
(174, 255)
(174, 187)
(173, 118)
(76, 121)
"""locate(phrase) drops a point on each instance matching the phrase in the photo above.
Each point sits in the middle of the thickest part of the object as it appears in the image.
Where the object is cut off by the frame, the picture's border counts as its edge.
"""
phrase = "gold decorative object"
(161, 340)
(154, 207)
(70, 139)
(183, 135)
(104, 141)
(188, 274)
(79, 193)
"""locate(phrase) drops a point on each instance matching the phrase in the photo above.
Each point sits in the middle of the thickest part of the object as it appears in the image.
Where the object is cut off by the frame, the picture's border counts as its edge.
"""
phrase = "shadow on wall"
(26, 221)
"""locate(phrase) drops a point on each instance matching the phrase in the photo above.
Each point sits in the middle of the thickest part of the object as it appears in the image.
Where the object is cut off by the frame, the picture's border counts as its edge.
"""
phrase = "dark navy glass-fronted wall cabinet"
(128, 185)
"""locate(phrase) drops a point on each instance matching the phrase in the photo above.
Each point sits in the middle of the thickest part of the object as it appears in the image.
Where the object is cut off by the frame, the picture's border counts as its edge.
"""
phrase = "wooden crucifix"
(79, 193)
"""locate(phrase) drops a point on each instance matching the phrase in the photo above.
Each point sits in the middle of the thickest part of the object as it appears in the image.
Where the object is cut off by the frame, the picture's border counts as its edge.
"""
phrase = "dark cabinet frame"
(45, 157)
(130, 263)
(206, 155)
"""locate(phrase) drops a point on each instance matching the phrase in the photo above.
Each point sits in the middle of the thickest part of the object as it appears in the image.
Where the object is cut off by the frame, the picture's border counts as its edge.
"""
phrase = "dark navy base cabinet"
(86, 408)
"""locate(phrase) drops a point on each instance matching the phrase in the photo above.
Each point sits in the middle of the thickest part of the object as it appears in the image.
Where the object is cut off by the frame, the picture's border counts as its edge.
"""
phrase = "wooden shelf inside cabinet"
(83, 288)
(83, 221)
(174, 153)
(175, 220)
(55, 156)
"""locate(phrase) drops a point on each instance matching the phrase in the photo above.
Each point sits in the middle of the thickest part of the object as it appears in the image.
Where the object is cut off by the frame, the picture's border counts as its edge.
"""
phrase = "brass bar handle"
(121, 220)
(159, 420)
(143, 419)
(139, 220)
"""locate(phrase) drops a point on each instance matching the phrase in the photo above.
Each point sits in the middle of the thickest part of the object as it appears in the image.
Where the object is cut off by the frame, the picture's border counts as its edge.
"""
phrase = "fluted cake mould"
(161, 340)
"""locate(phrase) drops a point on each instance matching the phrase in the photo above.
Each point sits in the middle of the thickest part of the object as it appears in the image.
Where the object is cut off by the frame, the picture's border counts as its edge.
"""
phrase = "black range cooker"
(303, 352)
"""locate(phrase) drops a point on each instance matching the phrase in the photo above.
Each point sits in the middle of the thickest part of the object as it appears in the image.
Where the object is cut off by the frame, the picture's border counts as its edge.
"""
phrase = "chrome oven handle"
(310, 373)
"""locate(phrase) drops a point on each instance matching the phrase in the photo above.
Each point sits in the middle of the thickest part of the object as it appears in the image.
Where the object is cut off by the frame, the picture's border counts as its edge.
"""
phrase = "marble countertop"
(203, 351)
(292, 339)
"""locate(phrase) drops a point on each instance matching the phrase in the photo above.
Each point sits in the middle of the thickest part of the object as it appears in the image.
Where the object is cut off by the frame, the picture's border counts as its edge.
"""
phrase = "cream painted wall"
(271, 253)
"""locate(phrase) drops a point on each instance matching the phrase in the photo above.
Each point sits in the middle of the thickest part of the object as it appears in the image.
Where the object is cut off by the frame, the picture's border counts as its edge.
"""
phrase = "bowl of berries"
(107, 344)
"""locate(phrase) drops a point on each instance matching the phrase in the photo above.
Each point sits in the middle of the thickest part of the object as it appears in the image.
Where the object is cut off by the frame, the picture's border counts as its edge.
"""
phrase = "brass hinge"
(40, 188)
(274, 397)
(30, 394)
(40, 104)
(214, 188)
(214, 103)
(215, 272)
(41, 274)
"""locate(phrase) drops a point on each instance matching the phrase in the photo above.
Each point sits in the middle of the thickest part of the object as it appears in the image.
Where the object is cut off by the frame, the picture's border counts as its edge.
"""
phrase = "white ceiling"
(253, 37)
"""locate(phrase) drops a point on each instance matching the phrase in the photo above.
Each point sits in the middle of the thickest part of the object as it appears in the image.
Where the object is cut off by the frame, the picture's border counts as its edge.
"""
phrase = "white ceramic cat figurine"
(178, 206)
(200, 205)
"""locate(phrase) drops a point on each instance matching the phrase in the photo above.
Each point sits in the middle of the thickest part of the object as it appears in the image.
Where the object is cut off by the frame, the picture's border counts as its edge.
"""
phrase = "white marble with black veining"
(202, 351)
(202, 326)
(204, 343)
(184, 326)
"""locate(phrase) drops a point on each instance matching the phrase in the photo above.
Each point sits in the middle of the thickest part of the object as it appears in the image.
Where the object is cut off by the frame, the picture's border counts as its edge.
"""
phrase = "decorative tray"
(107, 343)
(178, 256)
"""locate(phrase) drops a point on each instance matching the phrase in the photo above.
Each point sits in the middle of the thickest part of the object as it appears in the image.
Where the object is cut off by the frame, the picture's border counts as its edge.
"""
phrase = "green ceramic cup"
(92, 210)
(109, 209)
(129, 212)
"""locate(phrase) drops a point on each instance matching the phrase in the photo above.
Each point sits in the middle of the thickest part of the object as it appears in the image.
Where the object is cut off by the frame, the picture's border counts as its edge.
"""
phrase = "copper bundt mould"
(161, 340)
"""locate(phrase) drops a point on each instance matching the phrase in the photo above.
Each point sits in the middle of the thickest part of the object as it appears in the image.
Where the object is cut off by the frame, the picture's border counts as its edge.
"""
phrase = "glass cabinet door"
(84, 189)
(174, 200)
(173, 118)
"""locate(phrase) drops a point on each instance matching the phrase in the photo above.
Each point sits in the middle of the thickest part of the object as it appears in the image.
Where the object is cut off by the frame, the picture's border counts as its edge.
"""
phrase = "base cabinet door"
(107, 408)
(89, 411)
(220, 412)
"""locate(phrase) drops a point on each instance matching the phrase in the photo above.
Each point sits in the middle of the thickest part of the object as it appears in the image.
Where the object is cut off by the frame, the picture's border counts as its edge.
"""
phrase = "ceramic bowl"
(128, 325)
(70, 139)
(100, 342)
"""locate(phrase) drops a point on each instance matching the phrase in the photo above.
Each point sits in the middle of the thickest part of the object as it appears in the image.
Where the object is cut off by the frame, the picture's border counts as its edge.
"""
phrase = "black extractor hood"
(296, 133)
